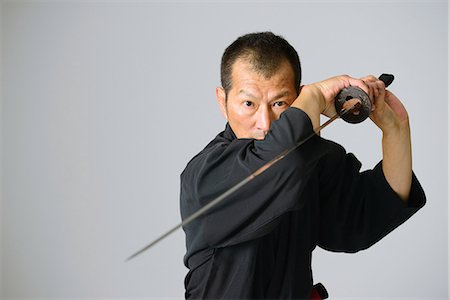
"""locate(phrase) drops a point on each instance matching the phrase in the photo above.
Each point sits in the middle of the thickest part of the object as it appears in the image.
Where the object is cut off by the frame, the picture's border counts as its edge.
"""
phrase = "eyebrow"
(277, 96)
(247, 93)
(281, 95)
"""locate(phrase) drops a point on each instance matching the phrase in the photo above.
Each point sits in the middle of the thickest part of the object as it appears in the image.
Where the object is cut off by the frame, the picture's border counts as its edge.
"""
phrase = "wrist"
(396, 130)
(312, 96)
(312, 102)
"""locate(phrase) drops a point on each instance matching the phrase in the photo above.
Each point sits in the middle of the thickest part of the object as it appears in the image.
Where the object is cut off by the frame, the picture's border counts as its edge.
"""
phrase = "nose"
(264, 119)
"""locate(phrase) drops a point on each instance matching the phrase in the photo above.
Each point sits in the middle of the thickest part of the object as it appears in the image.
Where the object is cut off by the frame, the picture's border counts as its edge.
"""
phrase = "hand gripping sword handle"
(341, 113)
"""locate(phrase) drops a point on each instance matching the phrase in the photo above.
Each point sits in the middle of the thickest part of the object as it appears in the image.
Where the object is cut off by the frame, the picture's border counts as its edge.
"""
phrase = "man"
(257, 243)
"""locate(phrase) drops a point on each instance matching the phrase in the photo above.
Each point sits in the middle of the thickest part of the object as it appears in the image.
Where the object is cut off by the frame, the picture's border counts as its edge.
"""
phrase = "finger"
(381, 84)
(369, 78)
(381, 88)
(371, 94)
(380, 92)
(359, 83)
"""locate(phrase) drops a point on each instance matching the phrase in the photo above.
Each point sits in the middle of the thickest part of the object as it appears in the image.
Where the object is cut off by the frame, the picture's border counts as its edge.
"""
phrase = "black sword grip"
(387, 79)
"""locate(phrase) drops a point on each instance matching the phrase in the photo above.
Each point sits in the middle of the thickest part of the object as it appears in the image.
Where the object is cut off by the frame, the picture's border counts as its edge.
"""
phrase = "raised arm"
(391, 117)
(388, 114)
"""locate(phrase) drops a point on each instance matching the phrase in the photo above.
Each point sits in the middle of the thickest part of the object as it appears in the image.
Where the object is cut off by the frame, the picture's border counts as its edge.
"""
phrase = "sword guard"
(355, 92)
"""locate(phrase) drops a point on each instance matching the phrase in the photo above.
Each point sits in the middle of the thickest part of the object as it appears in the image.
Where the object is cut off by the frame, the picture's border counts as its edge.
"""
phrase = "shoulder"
(216, 153)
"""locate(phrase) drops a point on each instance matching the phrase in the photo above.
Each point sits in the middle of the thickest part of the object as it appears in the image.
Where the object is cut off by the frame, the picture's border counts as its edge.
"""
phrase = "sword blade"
(245, 181)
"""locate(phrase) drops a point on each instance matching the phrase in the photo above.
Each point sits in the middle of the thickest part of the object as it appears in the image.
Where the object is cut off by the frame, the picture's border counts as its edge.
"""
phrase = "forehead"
(244, 74)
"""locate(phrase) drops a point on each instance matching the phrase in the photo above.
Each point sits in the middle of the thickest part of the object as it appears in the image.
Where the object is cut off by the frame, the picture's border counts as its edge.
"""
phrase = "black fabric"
(257, 244)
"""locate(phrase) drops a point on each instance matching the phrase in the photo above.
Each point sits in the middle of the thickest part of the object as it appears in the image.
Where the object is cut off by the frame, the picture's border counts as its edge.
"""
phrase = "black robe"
(257, 243)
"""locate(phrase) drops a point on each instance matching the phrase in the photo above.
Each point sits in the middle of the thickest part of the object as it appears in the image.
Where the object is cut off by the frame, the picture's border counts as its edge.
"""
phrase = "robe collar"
(228, 133)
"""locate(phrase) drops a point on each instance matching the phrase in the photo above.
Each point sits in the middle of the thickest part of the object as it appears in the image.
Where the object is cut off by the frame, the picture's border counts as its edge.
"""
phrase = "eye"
(248, 103)
(279, 104)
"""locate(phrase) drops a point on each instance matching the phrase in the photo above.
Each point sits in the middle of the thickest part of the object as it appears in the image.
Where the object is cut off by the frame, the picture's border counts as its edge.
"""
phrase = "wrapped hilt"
(353, 92)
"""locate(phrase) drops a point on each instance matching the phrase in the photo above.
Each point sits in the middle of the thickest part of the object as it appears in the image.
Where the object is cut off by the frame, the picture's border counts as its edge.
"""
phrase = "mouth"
(260, 135)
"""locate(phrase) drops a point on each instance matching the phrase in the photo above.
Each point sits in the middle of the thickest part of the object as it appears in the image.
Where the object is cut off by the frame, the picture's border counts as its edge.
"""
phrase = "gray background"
(103, 103)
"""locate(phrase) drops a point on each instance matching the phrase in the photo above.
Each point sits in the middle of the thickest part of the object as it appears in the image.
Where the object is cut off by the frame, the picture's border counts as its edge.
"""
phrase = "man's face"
(254, 101)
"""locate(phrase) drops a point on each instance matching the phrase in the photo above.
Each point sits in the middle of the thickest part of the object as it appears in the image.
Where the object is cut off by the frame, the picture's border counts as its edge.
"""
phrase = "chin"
(259, 137)
(255, 135)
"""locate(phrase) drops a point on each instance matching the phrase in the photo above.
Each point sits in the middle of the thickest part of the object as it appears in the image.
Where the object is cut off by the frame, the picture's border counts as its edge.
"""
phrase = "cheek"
(240, 119)
(238, 112)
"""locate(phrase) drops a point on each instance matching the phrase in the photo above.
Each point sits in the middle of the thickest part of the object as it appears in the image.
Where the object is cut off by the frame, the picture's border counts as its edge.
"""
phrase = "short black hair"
(265, 51)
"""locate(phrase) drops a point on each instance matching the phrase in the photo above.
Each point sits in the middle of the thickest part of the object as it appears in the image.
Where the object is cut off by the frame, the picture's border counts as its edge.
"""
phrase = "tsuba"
(365, 108)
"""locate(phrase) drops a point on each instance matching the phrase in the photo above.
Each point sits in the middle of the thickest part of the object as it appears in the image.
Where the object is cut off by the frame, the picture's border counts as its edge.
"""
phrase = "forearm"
(312, 102)
(397, 160)
(318, 98)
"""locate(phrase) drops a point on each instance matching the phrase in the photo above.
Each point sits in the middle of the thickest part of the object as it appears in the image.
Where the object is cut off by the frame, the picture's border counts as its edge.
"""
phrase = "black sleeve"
(358, 209)
(253, 210)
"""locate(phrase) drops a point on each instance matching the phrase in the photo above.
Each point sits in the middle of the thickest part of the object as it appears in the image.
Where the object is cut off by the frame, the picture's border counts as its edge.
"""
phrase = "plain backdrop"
(104, 102)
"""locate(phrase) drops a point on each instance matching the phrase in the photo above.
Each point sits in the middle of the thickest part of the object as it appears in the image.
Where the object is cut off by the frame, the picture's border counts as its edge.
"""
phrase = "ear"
(222, 101)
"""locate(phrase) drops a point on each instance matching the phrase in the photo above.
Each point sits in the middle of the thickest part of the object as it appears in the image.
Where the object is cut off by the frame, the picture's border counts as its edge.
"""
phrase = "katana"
(351, 111)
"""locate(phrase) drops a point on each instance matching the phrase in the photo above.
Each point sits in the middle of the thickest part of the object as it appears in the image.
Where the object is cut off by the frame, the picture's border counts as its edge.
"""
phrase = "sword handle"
(355, 92)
